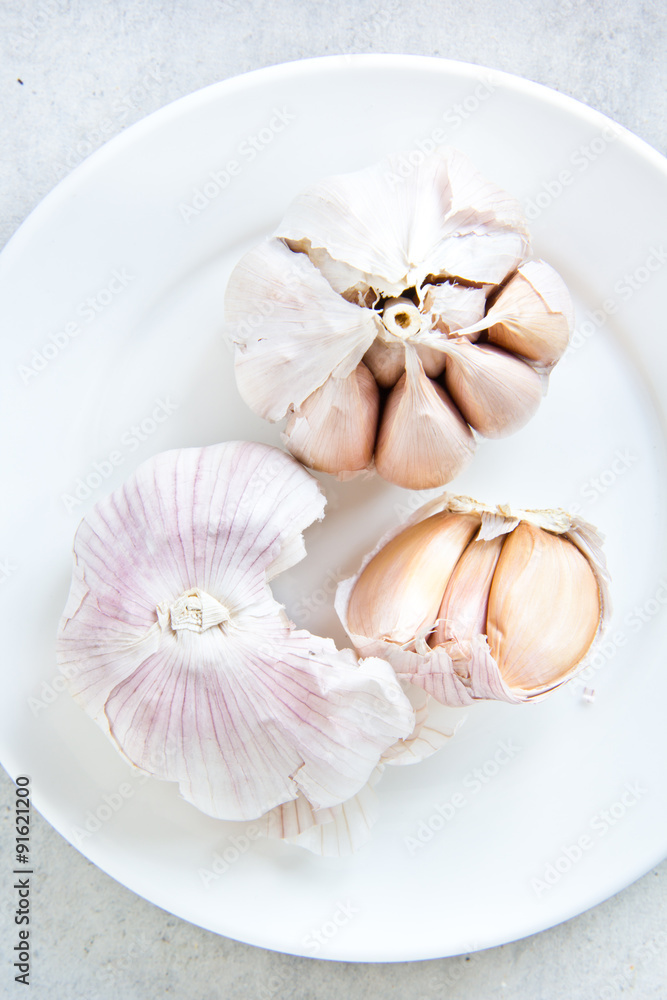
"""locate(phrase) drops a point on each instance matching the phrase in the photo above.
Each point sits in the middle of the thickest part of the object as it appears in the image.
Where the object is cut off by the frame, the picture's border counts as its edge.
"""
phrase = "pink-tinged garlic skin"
(378, 267)
(422, 441)
(495, 391)
(520, 609)
(334, 428)
(533, 315)
(174, 644)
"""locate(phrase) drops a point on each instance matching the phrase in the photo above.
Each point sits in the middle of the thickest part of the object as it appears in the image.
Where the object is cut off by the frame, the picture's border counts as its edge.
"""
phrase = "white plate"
(116, 282)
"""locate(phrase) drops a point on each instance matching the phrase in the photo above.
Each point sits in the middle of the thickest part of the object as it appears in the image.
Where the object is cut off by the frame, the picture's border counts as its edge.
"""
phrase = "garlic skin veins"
(176, 647)
(393, 272)
(520, 608)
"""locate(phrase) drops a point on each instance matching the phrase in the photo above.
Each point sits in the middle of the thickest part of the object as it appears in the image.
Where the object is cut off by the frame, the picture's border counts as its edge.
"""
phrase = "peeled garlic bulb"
(496, 392)
(176, 647)
(423, 441)
(544, 608)
(398, 592)
(379, 267)
(334, 428)
(511, 606)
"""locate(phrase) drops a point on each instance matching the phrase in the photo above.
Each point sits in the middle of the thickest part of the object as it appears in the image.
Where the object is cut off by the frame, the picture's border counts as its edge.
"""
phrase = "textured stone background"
(90, 69)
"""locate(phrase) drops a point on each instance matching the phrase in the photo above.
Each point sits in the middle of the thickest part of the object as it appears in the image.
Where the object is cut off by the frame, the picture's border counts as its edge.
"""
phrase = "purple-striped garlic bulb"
(173, 642)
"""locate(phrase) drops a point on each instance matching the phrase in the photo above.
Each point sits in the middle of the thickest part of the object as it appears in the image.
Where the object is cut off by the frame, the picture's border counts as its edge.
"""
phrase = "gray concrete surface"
(66, 67)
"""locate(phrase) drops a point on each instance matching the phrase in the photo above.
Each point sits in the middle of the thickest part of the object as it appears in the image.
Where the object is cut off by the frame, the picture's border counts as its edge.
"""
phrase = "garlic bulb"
(424, 279)
(172, 639)
(470, 601)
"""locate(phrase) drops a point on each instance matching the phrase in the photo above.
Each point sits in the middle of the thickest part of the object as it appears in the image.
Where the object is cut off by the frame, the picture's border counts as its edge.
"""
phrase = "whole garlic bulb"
(470, 601)
(173, 643)
(389, 317)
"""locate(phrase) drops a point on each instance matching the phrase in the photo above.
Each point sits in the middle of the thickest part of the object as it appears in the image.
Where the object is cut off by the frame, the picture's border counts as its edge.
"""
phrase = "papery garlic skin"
(334, 428)
(422, 440)
(175, 645)
(519, 613)
(533, 315)
(391, 270)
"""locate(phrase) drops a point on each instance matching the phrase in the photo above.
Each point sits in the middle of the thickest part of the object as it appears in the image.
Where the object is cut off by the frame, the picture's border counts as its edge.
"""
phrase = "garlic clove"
(334, 429)
(399, 592)
(174, 644)
(395, 229)
(451, 306)
(291, 330)
(433, 361)
(533, 314)
(544, 608)
(386, 362)
(423, 441)
(464, 607)
(495, 391)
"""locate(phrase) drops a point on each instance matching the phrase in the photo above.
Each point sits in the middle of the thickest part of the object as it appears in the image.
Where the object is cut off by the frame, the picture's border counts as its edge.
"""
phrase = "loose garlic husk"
(472, 602)
(173, 643)
(395, 272)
